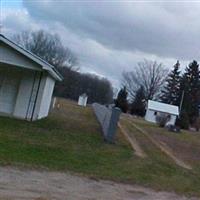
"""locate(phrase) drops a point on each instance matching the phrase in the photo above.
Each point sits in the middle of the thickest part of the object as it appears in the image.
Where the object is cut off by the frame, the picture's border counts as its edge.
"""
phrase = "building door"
(8, 92)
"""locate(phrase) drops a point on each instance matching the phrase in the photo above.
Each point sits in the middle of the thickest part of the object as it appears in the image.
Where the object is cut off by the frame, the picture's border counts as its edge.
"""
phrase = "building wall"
(44, 97)
(33, 96)
(23, 90)
(34, 93)
(151, 117)
(39, 106)
(35, 86)
(172, 120)
(9, 83)
(24, 94)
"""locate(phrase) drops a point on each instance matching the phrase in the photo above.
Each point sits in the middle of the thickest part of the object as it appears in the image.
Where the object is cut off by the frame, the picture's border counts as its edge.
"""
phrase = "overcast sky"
(109, 37)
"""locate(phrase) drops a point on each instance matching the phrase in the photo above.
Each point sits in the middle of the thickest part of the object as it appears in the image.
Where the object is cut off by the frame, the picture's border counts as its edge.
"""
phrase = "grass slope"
(161, 171)
(70, 139)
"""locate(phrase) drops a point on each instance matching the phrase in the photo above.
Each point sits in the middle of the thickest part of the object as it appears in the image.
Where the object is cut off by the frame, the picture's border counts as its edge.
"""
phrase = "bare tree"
(148, 74)
(47, 46)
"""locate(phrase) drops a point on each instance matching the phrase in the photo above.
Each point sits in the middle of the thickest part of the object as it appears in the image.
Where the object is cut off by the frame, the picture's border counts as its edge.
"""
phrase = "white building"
(82, 100)
(26, 82)
(154, 108)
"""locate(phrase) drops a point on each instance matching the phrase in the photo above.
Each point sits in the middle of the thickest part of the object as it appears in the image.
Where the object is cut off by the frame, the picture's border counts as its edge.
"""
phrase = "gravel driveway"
(20, 184)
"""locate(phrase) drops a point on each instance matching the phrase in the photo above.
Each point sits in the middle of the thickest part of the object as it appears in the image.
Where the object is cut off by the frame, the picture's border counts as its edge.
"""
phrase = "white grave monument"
(82, 100)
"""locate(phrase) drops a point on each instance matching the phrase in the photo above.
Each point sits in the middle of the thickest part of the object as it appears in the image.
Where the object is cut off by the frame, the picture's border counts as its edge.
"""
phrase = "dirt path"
(18, 184)
(162, 146)
(133, 142)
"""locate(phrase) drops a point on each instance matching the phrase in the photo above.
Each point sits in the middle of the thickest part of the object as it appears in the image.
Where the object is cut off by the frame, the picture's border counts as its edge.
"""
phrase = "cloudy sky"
(111, 36)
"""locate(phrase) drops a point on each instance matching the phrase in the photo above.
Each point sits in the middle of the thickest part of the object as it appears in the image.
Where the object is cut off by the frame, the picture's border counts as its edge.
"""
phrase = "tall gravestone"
(108, 118)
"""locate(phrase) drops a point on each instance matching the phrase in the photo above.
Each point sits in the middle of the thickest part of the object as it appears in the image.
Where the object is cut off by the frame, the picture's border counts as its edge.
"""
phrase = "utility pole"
(181, 104)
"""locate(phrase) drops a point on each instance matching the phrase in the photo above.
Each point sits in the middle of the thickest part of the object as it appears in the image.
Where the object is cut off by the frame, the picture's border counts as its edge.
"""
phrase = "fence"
(108, 118)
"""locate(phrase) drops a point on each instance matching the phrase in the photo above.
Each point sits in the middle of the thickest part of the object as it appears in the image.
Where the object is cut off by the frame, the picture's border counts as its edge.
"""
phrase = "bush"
(183, 120)
(162, 119)
(196, 123)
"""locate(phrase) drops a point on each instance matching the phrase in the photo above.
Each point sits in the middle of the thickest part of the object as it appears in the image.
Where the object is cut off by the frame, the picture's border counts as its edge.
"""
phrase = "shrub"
(162, 119)
(183, 120)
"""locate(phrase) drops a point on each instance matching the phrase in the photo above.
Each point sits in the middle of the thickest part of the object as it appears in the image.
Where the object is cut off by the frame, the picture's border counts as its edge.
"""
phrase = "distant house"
(82, 100)
(154, 108)
(26, 82)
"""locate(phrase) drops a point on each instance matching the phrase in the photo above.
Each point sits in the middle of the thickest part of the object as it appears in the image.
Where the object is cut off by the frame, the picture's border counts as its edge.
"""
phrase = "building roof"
(163, 107)
(45, 65)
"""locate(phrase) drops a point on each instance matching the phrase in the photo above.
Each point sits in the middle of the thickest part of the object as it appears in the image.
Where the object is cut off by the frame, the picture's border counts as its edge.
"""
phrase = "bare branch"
(47, 46)
(148, 74)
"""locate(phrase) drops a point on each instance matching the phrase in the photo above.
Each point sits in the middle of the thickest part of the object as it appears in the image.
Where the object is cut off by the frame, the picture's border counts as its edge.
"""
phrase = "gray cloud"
(109, 37)
(164, 29)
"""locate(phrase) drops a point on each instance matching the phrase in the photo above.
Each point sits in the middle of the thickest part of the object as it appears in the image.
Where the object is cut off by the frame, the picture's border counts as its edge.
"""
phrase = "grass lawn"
(161, 171)
(70, 139)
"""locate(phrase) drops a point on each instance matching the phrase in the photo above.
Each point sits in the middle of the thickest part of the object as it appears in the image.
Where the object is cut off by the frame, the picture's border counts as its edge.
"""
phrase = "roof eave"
(45, 66)
(157, 110)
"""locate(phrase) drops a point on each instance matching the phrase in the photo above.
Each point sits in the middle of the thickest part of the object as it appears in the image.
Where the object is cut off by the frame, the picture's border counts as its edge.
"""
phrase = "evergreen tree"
(171, 92)
(121, 101)
(138, 105)
(191, 87)
(183, 120)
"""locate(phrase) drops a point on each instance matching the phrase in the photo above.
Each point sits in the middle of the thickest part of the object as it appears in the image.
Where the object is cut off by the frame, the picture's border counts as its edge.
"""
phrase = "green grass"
(160, 170)
(70, 139)
(185, 145)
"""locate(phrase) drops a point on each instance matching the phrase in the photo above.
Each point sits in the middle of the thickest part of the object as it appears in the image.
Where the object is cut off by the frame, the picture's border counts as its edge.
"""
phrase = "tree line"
(152, 81)
(183, 90)
(140, 85)
(98, 89)
(50, 48)
(148, 80)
